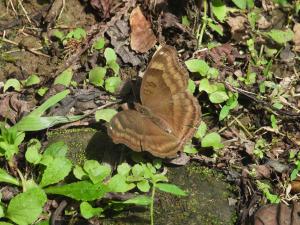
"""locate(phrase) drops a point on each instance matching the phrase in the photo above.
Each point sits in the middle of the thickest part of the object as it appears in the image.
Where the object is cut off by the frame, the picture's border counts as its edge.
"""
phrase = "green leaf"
(32, 154)
(77, 34)
(204, 85)
(87, 211)
(5, 223)
(219, 9)
(64, 78)
(58, 34)
(42, 91)
(212, 140)
(281, 37)
(252, 18)
(224, 112)
(294, 174)
(118, 183)
(57, 149)
(190, 149)
(95, 171)
(79, 173)
(14, 83)
(185, 21)
(105, 114)
(33, 123)
(26, 207)
(56, 171)
(6, 178)
(138, 170)
(115, 67)
(197, 65)
(124, 169)
(1, 213)
(191, 86)
(218, 97)
(110, 55)
(171, 188)
(216, 27)
(242, 4)
(139, 200)
(99, 44)
(112, 84)
(96, 76)
(143, 186)
(277, 105)
(201, 131)
(32, 80)
(274, 122)
(80, 191)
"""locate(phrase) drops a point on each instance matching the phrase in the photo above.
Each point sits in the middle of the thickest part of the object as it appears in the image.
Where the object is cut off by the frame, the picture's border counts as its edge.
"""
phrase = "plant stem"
(152, 205)
(204, 20)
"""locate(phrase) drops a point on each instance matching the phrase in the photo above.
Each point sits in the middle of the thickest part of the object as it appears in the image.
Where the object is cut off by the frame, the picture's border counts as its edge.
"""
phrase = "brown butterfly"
(169, 114)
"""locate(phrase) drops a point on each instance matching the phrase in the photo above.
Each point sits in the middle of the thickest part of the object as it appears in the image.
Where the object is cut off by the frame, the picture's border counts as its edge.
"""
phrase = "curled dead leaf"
(142, 37)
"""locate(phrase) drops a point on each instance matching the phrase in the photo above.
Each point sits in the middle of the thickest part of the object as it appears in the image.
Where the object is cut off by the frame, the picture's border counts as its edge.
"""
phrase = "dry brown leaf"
(142, 36)
(297, 37)
(238, 27)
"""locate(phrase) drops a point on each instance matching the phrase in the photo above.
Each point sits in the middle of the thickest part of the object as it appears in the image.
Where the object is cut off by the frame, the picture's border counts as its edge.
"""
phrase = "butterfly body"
(168, 115)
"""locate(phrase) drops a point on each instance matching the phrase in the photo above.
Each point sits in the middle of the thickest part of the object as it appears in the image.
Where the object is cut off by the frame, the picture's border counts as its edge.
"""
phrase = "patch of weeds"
(265, 188)
(261, 146)
(295, 158)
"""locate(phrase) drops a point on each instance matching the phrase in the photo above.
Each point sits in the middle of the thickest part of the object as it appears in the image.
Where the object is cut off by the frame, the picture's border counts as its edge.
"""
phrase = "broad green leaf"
(197, 65)
(204, 85)
(5, 223)
(218, 97)
(34, 123)
(110, 55)
(124, 169)
(242, 4)
(64, 78)
(56, 171)
(87, 211)
(44, 222)
(1, 212)
(6, 178)
(294, 174)
(77, 34)
(277, 105)
(219, 9)
(32, 80)
(143, 186)
(190, 149)
(139, 200)
(96, 76)
(95, 171)
(191, 86)
(212, 140)
(171, 188)
(112, 84)
(80, 191)
(201, 131)
(32, 154)
(118, 184)
(99, 44)
(216, 27)
(115, 67)
(105, 114)
(26, 207)
(224, 112)
(57, 149)
(79, 173)
(137, 170)
(280, 36)
(14, 83)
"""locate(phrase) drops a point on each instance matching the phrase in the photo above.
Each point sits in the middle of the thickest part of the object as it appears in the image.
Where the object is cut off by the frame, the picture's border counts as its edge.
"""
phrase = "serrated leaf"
(26, 207)
(56, 171)
(105, 114)
(212, 140)
(95, 171)
(171, 188)
(80, 191)
(218, 97)
(64, 78)
(87, 211)
(14, 83)
(96, 76)
(32, 80)
(112, 84)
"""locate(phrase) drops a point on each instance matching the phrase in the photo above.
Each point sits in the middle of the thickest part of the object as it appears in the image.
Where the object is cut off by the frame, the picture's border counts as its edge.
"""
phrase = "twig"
(24, 10)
